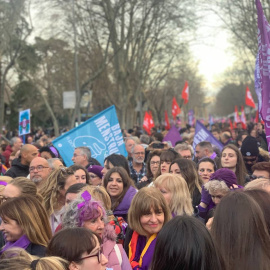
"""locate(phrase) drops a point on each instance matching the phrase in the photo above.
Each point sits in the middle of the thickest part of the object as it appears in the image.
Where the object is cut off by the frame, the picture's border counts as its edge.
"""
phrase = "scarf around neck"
(141, 251)
(23, 242)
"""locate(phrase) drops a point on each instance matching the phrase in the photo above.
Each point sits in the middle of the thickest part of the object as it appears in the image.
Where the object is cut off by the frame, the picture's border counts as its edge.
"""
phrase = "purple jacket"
(122, 209)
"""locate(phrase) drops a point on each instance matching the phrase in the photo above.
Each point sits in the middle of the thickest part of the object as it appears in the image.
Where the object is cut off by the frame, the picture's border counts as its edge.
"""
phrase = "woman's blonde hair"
(181, 202)
(260, 183)
(50, 191)
(6, 179)
(30, 215)
(99, 193)
(17, 258)
(27, 187)
(146, 199)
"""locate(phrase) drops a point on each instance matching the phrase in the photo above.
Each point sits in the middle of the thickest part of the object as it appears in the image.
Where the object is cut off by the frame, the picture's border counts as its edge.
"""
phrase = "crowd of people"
(161, 207)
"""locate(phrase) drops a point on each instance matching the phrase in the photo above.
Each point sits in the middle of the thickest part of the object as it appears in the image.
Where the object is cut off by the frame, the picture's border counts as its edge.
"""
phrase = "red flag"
(146, 123)
(231, 124)
(243, 118)
(151, 121)
(249, 99)
(236, 116)
(175, 108)
(185, 93)
(257, 117)
(167, 122)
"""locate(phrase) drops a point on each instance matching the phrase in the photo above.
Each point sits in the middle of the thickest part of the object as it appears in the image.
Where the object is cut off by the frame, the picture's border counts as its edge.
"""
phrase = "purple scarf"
(147, 258)
(22, 242)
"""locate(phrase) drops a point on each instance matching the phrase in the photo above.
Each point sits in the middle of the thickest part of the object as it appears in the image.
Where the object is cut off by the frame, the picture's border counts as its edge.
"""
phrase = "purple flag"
(202, 134)
(173, 136)
(262, 69)
(191, 117)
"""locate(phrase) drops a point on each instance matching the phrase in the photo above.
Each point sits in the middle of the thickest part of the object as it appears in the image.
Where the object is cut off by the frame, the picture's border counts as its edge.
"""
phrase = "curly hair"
(75, 216)
(214, 186)
(51, 189)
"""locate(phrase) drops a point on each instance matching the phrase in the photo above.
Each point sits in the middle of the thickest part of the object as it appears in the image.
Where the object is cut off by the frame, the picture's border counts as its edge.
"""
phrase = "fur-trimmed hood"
(109, 233)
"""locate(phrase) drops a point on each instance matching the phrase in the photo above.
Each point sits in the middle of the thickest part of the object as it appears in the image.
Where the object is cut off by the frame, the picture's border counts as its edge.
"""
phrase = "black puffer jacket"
(17, 169)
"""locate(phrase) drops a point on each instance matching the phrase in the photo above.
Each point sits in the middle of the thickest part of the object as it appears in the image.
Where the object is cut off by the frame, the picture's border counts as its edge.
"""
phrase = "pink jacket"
(111, 254)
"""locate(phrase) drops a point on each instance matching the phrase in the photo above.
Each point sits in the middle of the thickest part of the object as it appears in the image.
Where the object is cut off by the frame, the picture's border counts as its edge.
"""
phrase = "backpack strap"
(118, 254)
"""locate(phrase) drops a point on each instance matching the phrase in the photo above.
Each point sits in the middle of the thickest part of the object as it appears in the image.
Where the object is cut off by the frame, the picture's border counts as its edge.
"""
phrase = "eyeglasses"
(39, 168)
(155, 162)
(90, 256)
(93, 176)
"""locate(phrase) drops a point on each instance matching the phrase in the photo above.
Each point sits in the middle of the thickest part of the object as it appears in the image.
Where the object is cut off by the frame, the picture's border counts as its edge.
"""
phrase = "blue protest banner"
(102, 134)
(24, 122)
(202, 134)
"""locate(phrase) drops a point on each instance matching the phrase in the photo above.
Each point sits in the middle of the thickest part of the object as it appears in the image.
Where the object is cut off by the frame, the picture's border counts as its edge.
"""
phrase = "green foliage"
(28, 59)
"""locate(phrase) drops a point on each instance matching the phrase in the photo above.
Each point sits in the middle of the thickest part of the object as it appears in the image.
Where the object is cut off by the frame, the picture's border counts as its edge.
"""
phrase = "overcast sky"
(212, 51)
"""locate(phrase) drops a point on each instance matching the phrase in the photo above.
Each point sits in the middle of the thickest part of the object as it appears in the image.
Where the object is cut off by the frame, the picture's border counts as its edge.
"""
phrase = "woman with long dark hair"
(240, 230)
(185, 243)
(121, 190)
(115, 160)
(231, 158)
(187, 169)
(152, 168)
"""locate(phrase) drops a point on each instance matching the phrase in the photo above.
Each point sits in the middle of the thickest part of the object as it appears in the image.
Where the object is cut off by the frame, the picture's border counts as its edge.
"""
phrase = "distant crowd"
(161, 207)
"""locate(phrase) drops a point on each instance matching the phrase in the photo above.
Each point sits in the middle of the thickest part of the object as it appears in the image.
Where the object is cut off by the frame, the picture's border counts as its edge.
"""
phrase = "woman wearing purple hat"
(95, 175)
(220, 183)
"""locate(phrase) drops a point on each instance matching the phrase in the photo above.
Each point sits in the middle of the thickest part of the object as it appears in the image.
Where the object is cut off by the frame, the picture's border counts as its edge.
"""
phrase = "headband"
(54, 151)
(3, 183)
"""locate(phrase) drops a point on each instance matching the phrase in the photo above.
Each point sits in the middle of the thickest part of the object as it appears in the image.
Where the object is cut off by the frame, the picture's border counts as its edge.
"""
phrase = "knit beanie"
(225, 175)
(96, 170)
(250, 147)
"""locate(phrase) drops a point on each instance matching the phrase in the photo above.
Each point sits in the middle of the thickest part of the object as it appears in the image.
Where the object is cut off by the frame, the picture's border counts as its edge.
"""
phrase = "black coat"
(17, 169)
(36, 250)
